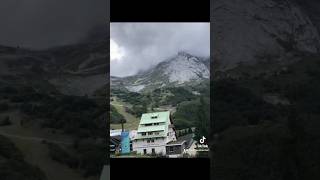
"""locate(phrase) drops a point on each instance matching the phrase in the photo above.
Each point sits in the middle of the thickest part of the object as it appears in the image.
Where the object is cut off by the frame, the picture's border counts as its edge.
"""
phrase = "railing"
(139, 136)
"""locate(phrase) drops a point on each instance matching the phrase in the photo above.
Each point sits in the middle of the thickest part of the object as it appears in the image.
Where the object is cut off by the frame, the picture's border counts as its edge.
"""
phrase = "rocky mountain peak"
(184, 54)
(182, 69)
(278, 30)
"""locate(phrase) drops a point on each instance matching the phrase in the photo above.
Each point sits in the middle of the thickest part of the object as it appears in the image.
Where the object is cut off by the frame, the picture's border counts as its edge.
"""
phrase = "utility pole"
(122, 125)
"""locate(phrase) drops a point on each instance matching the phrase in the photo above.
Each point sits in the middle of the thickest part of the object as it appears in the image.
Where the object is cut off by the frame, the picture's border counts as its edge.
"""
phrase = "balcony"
(139, 136)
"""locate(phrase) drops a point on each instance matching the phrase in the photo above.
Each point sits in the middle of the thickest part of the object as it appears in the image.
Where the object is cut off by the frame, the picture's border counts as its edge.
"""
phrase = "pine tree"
(202, 124)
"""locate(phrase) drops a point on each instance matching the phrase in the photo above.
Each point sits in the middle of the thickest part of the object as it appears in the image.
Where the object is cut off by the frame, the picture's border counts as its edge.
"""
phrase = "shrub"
(116, 117)
(139, 110)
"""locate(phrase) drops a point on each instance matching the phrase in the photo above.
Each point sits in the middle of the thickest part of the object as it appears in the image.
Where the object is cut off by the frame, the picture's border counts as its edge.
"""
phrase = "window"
(156, 124)
(152, 140)
(156, 133)
(148, 141)
(153, 151)
(144, 151)
(149, 133)
(171, 148)
(148, 125)
(143, 134)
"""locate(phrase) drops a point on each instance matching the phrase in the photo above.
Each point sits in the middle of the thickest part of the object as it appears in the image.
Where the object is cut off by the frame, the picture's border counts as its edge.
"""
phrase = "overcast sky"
(139, 46)
(45, 23)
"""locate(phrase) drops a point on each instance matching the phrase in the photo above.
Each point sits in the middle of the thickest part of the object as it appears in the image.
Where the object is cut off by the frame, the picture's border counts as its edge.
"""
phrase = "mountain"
(179, 84)
(180, 70)
(77, 69)
(266, 90)
(54, 94)
(262, 30)
(82, 68)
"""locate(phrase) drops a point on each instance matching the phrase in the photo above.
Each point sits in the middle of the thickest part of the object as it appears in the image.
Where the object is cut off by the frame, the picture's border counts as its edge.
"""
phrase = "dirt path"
(115, 104)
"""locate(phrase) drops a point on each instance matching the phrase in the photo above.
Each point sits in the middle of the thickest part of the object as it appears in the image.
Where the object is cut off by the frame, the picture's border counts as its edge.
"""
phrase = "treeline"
(137, 110)
(171, 95)
(130, 97)
(75, 115)
(194, 113)
(161, 96)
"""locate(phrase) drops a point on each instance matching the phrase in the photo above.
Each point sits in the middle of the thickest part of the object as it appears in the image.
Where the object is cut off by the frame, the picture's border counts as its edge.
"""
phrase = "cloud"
(116, 53)
(45, 23)
(147, 44)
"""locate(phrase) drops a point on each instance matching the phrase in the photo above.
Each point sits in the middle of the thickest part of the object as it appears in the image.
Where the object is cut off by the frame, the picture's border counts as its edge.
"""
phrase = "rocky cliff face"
(250, 31)
(182, 69)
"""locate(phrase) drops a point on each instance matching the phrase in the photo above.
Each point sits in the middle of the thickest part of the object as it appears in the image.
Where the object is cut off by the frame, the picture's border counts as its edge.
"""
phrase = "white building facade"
(154, 132)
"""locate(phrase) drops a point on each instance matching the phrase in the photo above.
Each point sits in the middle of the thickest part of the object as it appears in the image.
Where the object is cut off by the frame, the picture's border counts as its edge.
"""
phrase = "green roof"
(161, 117)
(150, 118)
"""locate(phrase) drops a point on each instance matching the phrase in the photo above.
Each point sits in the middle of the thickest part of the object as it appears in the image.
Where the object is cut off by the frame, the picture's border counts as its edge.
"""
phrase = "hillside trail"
(132, 122)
